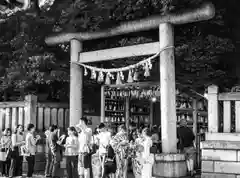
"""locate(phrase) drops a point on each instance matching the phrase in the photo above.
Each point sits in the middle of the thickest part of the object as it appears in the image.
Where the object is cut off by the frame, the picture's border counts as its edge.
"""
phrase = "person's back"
(104, 140)
(185, 136)
(53, 142)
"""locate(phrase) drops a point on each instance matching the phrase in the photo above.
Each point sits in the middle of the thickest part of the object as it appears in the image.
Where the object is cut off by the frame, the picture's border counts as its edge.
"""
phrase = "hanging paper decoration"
(146, 71)
(118, 80)
(100, 77)
(121, 75)
(85, 71)
(130, 78)
(108, 80)
(93, 74)
(149, 63)
(145, 64)
(135, 77)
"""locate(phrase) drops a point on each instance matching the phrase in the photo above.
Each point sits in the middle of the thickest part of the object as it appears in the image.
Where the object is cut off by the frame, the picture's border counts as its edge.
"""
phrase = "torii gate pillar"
(76, 83)
(168, 91)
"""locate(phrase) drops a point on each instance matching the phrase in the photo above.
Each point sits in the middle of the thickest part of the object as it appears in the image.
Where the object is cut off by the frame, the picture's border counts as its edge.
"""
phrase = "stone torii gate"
(169, 164)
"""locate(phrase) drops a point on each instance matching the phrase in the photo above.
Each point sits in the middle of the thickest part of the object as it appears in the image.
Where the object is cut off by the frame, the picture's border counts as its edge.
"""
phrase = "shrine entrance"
(170, 163)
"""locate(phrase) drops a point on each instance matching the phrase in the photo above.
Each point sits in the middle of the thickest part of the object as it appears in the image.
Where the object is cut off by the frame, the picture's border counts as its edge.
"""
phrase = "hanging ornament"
(135, 77)
(118, 80)
(85, 71)
(100, 77)
(149, 63)
(93, 74)
(130, 78)
(121, 75)
(111, 76)
(108, 80)
(146, 70)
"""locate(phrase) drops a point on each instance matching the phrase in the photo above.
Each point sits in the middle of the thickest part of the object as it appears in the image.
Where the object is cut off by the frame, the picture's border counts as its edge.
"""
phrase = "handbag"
(3, 154)
(87, 160)
(153, 149)
(24, 151)
(9, 153)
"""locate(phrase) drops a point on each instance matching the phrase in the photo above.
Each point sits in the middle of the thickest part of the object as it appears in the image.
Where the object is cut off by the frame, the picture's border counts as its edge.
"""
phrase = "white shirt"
(71, 141)
(31, 143)
(84, 140)
(104, 140)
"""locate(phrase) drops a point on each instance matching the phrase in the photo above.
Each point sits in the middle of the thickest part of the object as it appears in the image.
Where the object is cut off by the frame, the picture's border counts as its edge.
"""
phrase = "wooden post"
(151, 114)
(195, 120)
(213, 108)
(102, 105)
(227, 116)
(30, 110)
(168, 90)
(195, 115)
(76, 84)
(127, 114)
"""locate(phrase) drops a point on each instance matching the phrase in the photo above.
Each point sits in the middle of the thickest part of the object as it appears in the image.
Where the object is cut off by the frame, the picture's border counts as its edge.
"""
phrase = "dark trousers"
(16, 164)
(31, 162)
(55, 164)
(72, 166)
(48, 168)
(5, 167)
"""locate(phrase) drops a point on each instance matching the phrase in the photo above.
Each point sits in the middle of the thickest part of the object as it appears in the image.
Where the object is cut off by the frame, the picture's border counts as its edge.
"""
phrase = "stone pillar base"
(169, 166)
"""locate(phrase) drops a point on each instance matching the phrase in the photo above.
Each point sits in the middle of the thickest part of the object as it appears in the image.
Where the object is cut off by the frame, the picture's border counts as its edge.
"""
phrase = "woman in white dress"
(147, 157)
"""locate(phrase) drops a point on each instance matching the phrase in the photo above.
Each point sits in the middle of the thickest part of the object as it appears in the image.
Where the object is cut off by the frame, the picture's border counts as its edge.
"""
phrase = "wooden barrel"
(169, 165)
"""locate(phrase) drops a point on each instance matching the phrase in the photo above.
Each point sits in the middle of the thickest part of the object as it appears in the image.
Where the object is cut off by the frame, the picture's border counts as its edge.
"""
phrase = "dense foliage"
(29, 66)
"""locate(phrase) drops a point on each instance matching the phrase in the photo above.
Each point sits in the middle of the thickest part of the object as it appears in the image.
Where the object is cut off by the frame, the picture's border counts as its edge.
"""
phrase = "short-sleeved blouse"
(17, 138)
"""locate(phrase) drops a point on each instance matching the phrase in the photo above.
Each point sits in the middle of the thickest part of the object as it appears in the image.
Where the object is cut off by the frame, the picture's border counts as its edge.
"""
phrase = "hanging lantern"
(85, 71)
(146, 70)
(93, 74)
(130, 78)
(135, 77)
(100, 77)
(108, 80)
(118, 80)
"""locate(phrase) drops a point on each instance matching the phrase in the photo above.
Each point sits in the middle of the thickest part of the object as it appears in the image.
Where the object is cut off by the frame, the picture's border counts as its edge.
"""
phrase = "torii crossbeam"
(167, 71)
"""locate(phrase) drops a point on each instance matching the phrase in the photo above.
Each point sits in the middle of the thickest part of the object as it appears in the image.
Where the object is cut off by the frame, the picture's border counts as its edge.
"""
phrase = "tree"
(28, 65)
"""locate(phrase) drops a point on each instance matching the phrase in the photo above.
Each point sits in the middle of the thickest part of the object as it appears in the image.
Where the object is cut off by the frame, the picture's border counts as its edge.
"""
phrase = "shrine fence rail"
(41, 114)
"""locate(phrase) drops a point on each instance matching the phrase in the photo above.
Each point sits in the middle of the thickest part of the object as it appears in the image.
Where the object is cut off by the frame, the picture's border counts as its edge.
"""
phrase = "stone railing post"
(213, 111)
(30, 110)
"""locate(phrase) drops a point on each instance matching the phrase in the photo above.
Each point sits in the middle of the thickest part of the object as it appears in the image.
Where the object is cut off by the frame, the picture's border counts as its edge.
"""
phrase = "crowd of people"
(99, 154)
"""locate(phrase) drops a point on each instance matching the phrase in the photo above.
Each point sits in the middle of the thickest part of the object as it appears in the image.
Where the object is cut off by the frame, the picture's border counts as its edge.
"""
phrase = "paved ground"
(129, 176)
